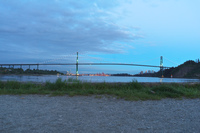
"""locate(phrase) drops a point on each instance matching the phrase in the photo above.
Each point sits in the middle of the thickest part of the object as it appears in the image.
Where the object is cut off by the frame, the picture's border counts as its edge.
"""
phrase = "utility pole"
(77, 64)
(161, 65)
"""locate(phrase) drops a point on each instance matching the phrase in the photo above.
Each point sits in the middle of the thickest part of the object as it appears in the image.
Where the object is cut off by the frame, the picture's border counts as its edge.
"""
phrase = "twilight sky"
(121, 31)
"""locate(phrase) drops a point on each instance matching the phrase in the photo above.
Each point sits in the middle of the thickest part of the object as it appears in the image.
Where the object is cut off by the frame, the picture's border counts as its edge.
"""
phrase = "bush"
(134, 85)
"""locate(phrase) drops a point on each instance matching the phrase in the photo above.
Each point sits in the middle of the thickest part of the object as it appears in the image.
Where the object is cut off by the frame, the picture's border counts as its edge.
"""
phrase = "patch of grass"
(135, 85)
(127, 91)
(12, 85)
(167, 91)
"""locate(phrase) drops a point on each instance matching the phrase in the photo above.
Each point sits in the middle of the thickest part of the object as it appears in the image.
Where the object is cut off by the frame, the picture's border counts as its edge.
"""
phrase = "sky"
(102, 31)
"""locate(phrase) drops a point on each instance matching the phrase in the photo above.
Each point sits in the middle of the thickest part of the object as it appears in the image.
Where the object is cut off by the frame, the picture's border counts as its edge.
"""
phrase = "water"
(53, 78)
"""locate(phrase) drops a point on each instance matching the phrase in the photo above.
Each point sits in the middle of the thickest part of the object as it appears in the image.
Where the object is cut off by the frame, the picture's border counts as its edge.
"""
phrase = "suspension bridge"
(77, 64)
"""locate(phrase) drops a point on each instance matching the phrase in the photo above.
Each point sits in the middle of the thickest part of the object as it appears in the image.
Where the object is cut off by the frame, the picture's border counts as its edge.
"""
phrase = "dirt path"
(81, 114)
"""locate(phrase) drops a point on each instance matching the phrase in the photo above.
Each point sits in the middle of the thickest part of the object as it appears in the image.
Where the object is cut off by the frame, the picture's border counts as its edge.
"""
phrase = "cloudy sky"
(121, 31)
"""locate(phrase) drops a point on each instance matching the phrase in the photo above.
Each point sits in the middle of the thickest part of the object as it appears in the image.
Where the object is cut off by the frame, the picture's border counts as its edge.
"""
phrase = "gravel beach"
(96, 114)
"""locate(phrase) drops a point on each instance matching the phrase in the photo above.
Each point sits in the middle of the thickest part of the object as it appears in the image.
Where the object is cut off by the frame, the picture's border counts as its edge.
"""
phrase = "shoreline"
(129, 91)
(93, 76)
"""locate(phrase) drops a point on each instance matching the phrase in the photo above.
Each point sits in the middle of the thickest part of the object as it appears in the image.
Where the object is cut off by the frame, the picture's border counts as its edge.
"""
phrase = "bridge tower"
(161, 65)
(77, 64)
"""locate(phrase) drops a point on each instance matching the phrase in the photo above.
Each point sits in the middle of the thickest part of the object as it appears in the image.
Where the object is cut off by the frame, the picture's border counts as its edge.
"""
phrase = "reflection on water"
(53, 78)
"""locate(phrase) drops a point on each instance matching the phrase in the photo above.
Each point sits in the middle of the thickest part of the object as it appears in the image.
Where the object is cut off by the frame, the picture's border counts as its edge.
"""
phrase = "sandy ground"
(101, 114)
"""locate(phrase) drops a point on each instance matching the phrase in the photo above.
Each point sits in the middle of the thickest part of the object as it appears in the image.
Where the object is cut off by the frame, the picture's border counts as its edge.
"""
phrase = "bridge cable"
(171, 61)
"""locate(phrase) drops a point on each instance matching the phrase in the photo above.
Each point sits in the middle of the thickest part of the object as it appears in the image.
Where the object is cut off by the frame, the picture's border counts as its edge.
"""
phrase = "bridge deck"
(125, 64)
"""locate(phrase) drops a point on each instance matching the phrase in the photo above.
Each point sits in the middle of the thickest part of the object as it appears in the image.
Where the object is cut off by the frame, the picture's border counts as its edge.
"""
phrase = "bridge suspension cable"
(95, 58)
(56, 59)
(147, 60)
(171, 61)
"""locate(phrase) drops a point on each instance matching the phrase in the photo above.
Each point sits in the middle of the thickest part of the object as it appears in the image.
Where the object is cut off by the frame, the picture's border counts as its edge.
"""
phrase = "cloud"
(59, 27)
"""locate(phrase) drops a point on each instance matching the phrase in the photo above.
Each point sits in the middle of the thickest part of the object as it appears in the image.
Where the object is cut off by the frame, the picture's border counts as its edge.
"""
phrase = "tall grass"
(127, 91)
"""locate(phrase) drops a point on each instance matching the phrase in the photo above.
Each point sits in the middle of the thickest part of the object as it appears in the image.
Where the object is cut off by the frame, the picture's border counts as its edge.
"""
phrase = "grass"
(127, 91)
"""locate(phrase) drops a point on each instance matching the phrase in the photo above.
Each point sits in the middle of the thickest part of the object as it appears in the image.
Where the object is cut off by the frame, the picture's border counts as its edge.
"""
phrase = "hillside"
(189, 69)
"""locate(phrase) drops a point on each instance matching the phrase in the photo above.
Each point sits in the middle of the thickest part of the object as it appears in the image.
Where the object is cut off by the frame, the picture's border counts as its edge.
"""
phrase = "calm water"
(53, 78)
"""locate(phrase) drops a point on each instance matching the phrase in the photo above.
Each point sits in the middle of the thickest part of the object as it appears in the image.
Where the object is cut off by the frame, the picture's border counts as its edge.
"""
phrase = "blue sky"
(121, 31)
